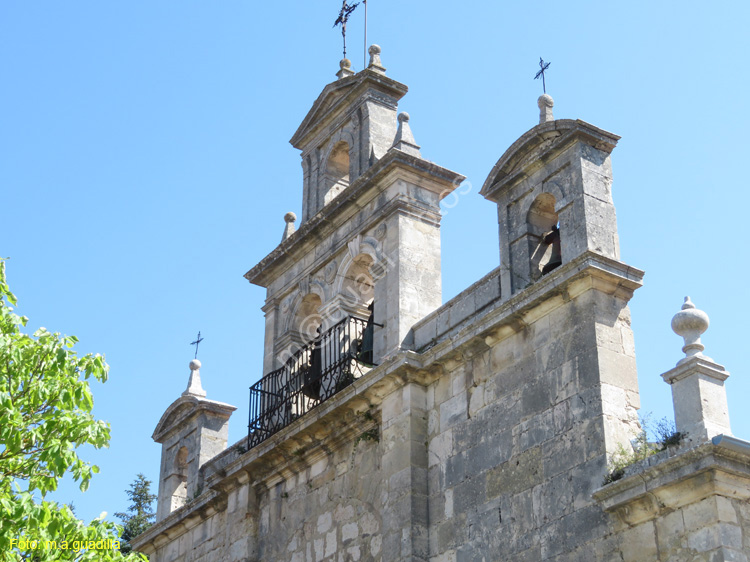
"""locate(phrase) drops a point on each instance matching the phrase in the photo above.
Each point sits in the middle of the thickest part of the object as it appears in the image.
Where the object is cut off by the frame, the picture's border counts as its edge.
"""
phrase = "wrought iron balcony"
(312, 375)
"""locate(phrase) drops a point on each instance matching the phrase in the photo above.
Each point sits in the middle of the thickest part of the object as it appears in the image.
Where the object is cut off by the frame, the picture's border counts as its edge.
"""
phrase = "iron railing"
(313, 374)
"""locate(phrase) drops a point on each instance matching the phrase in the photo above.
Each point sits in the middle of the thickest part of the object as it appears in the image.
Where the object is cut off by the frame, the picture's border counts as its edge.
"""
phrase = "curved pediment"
(540, 144)
(182, 409)
(344, 93)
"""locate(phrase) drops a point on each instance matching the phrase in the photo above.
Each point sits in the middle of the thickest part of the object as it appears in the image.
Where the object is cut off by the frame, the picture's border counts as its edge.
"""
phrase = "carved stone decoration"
(354, 245)
(545, 103)
(380, 231)
(304, 285)
(329, 274)
(287, 303)
(689, 324)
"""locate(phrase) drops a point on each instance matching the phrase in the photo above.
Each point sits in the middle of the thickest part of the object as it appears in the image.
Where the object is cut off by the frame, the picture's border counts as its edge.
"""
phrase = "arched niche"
(179, 479)
(357, 284)
(542, 222)
(337, 171)
(307, 317)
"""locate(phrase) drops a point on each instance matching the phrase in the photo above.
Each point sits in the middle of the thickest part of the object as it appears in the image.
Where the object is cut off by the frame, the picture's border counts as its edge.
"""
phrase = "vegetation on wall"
(665, 435)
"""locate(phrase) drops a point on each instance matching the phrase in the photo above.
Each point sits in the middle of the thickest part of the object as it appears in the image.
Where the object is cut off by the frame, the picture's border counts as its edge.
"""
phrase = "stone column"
(698, 393)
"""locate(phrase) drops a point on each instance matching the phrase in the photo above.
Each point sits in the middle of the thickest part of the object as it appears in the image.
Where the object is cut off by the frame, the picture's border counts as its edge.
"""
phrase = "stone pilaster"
(410, 284)
(404, 471)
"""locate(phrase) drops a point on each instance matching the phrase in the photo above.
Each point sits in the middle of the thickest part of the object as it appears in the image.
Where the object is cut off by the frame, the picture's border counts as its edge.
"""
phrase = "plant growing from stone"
(641, 448)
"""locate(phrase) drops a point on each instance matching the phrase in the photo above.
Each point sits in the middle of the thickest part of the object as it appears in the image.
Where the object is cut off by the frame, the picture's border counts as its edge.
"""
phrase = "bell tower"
(367, 253)
(553, 189)
(350, 126)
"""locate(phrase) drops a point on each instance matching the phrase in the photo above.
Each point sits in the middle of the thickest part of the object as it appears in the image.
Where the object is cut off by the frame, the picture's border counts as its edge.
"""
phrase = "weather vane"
(344, 14)
(196, 343)
(544, 66)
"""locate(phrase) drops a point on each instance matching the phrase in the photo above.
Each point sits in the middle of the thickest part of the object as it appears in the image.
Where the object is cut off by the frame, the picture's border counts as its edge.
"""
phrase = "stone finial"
(375, 63)
(689, 324)
(404, 140)
(345, 69)
(698, 393)
(545, 103)
(194, 387)
(289, 229)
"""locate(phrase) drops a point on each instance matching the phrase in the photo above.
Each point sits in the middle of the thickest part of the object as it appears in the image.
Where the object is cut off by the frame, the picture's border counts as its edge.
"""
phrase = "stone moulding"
(341, 418)
(326, 109)
(548, 138)
(364, 189)
(589, 270)
(185, 407)
(670, 480)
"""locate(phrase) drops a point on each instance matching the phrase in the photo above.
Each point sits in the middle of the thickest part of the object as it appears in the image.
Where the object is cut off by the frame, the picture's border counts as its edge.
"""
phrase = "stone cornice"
(673, 479)
(696, 365)
(537, 146)
(393, 166)
(338, 420)
(184, 408)
(505, 316)
(337, 96)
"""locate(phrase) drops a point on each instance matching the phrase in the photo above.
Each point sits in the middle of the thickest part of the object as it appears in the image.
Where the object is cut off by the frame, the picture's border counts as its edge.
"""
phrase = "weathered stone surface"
(484, 431)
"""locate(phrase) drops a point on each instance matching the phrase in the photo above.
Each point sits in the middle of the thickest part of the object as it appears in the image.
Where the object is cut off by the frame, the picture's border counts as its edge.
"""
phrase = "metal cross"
(344, 14)
(544, 66)
(196, 343)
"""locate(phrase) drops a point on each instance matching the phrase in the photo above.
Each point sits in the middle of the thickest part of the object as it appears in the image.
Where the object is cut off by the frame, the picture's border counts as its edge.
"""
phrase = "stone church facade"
(390, 426)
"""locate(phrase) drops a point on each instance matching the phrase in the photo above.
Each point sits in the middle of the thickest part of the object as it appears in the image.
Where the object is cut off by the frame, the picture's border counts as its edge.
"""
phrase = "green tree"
(139, 516)
(45, 415)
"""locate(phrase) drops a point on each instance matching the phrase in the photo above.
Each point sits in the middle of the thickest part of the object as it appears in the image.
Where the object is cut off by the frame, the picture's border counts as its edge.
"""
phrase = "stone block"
(716, 536)
(469, 494)
(453, 411)
(520, 473)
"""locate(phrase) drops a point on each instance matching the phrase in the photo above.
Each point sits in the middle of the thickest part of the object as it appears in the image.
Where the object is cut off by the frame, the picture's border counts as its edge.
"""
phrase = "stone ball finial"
(289, 227)
(345, 69)
(403, 117)
(194, 387)
(689, 324)
(545, 100)
(375, 62)
(545, 103)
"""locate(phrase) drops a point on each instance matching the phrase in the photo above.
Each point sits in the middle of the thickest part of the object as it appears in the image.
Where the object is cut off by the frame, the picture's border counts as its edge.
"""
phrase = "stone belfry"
(388, 426)
(368, 246)
(553, 188)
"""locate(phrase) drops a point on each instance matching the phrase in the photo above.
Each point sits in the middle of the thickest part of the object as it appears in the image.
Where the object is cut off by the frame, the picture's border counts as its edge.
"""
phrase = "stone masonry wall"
(330, 512)
(494, 447)
(518, 439)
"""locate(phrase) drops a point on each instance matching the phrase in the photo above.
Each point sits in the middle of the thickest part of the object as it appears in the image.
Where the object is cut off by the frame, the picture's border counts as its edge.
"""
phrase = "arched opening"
(336, 171)
(544, 236)
(179, 495)
(306, 365)
(358, 287)
(358, 292)
(308, 318)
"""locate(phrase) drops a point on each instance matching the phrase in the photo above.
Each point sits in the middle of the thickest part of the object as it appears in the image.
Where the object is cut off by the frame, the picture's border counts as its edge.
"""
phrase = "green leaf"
(45, 414)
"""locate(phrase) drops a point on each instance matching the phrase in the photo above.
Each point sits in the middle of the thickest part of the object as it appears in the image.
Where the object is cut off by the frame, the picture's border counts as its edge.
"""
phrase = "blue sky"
(145, 167)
